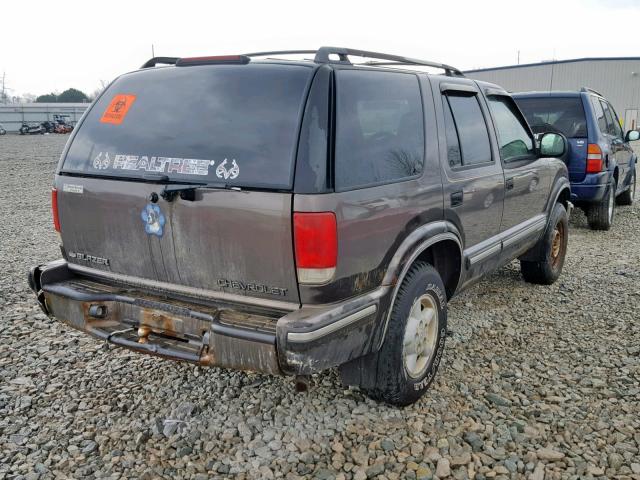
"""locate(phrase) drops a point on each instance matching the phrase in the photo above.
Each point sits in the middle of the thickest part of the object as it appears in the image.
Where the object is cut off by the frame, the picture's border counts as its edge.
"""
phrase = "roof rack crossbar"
(587, 89)
(323, 56)
(160, 60)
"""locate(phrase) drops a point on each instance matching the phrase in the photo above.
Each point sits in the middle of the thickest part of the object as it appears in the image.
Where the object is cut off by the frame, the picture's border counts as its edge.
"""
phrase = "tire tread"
(388, 386)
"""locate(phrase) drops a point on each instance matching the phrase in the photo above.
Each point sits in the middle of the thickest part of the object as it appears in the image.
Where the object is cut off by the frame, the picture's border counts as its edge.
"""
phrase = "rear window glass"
(467, 135)
(235, 124)
(379, 128)
(599, 113)
(613, 127)
(555, 114)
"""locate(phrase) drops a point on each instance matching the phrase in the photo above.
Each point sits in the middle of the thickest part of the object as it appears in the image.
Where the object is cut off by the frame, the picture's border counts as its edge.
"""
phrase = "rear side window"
(379, 128)
(513, 137)
(599, 113)
(235, 124)
(466, 130)
(555, 114)
(616, 122)
(613, 127)
(610, 129)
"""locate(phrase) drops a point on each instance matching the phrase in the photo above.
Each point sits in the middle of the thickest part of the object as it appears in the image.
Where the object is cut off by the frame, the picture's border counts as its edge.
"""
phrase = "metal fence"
(13, 115)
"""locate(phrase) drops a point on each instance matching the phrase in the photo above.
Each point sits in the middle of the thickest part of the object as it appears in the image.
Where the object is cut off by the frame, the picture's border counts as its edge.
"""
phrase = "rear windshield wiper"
(187, 191)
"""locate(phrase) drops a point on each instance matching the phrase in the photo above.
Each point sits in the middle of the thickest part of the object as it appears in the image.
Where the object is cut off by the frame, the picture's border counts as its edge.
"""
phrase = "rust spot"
(143, 334)
(158, 321)
(207, 357)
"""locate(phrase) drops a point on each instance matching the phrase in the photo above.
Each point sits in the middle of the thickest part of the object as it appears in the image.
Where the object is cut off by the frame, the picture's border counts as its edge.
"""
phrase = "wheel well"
(564, 197)
(445, 257)
(615, 175)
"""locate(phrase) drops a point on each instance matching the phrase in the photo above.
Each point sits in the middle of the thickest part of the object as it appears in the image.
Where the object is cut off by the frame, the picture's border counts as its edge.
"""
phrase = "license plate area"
(170, 328)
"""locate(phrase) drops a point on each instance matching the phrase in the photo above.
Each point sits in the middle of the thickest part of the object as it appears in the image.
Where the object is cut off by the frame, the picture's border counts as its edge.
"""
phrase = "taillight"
(594, 158)
(316, 245)
(54, 209)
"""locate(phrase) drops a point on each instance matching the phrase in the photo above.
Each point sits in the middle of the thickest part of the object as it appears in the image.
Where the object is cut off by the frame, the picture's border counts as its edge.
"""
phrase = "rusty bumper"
(303, 341)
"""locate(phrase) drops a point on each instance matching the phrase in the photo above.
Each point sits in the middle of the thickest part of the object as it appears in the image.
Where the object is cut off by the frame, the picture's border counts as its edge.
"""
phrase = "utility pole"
(518, 57)
(153, 54)
(553, 64)
(2, 95)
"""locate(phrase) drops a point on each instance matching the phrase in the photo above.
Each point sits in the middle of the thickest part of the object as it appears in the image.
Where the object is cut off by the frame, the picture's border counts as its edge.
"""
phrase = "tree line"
(71, 95)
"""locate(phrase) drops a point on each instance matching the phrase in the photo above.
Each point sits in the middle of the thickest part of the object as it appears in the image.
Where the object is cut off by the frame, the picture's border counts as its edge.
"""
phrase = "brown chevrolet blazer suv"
(290, 212)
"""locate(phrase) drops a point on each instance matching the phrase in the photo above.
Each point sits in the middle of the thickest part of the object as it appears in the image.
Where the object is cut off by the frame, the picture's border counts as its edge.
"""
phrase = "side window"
(616, 122)
(379, 128)
(597, 108)
(513, 136)
(454, 156)
(611, 128)
(466, 130)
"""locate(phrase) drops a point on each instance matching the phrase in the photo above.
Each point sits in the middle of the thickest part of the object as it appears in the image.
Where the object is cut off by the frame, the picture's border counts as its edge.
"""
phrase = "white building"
(13, 114)
(617, 79)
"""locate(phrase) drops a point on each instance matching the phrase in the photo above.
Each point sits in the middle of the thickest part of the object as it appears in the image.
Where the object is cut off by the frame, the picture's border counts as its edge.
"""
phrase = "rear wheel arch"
(444, 247)
(564, 197)
(445, 256)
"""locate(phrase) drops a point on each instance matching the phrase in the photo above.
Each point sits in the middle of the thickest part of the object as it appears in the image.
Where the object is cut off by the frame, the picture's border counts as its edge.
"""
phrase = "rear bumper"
(299, 342)
(592, 189)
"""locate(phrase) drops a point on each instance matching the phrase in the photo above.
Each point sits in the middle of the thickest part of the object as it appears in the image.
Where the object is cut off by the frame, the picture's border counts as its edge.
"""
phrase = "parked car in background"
(601, 163)
(325, 223)
(32, 129)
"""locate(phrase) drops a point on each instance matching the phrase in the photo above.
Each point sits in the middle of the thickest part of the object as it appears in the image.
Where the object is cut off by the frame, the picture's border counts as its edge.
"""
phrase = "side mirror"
(632, 136)
(552, 145)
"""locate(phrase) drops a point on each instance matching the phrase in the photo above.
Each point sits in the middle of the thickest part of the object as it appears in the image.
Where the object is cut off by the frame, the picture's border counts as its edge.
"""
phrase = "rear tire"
(553, 250)
(600, 216)
(408, 360)
(627, 197)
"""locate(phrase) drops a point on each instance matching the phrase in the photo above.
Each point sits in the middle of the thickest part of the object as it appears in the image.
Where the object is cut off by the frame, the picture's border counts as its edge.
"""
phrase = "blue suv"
(601, 163)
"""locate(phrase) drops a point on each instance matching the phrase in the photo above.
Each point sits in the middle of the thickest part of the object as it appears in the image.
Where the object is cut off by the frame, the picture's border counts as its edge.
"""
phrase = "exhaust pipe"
(302, 383)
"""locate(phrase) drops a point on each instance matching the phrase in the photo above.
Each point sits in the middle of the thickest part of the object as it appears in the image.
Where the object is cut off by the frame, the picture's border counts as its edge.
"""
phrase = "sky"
(50, 46)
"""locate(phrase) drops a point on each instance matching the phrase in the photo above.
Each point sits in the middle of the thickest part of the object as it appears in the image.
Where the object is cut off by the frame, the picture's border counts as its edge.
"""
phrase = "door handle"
(457, 198)
(509, 183)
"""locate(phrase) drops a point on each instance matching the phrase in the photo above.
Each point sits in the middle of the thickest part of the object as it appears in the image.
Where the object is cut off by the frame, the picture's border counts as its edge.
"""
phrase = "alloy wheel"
(421, 333)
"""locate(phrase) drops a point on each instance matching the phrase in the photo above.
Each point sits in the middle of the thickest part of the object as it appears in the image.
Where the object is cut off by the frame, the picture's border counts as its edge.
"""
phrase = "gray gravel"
(537, 382)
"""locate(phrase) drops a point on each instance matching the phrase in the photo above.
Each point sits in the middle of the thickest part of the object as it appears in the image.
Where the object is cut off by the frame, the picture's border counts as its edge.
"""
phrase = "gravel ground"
(537, 382)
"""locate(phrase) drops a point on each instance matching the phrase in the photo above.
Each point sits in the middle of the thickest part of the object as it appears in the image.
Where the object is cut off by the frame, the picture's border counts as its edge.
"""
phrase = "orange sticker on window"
(118, 108)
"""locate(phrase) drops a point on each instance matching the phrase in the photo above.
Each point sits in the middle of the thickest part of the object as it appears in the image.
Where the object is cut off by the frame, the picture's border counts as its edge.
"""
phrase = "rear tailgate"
(561, 114)
(577, 159)
(226, 132)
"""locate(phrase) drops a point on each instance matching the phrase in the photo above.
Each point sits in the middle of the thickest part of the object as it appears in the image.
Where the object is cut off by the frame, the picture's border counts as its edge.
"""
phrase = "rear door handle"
(509, 184)
(457, 198)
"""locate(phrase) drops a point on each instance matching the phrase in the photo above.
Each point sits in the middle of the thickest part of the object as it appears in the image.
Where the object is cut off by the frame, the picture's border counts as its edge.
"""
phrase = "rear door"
(474, 189)
(223, 137)
(619, 147)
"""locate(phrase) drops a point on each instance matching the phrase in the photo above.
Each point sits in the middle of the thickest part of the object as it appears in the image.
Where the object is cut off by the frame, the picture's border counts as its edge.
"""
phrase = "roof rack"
(322, 55)
(160, 60)
(587, 89)
(279, 52)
